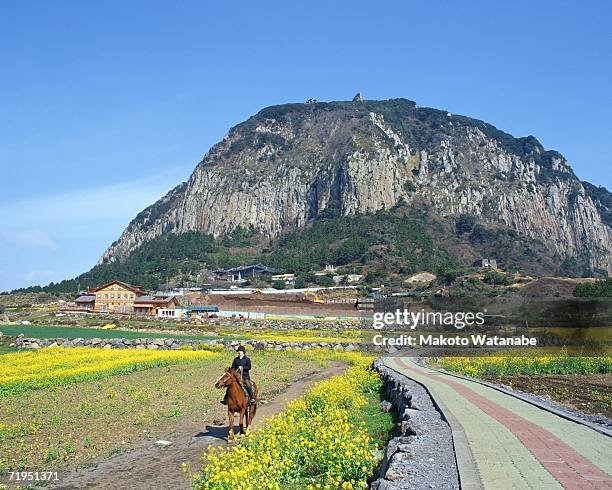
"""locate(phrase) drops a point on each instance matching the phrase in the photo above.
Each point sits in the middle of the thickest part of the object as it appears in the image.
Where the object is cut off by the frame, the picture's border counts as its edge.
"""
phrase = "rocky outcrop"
(288, 164)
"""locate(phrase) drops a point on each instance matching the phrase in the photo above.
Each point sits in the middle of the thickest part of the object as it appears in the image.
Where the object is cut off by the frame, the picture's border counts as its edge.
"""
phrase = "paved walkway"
(504, 443)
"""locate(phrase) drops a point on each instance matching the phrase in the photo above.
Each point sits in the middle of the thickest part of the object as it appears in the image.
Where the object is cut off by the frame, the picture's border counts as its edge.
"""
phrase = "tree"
(465, 223)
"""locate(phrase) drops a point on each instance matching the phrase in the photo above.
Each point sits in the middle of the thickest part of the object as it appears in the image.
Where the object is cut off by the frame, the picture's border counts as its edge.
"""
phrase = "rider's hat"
(241, 348)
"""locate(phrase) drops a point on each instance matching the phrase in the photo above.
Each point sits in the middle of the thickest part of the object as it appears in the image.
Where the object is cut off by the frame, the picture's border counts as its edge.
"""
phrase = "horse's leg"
(242, 412)
(252, 410)
(230, 435)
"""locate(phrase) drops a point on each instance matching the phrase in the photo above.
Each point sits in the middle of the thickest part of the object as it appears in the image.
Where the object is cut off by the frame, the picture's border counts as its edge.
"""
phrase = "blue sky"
(105, 106)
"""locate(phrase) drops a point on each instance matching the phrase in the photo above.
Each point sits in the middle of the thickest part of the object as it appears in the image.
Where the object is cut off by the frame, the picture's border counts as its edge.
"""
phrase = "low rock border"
(175, 344)
(423, 455)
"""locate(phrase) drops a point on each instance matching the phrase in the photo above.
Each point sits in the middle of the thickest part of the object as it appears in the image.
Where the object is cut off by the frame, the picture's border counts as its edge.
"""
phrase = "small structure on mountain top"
(357, 97)
(486, 263)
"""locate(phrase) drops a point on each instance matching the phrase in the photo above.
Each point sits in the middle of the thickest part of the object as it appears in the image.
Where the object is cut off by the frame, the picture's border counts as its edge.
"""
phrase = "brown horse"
(237, 400)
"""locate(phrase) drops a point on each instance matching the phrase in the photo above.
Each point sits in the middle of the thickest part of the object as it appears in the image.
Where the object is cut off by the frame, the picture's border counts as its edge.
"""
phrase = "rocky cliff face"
(285, 165)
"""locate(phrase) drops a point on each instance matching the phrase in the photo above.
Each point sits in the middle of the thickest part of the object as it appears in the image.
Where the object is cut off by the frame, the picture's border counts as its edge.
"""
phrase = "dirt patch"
(552, 287)
(588, 393)
(292, 304)
(150, 467)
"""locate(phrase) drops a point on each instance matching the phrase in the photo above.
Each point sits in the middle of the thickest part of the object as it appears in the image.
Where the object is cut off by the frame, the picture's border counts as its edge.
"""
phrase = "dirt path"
(151, 467)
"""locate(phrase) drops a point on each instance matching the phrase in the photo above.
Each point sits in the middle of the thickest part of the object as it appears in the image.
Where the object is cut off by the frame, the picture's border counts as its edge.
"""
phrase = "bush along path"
(504, 442)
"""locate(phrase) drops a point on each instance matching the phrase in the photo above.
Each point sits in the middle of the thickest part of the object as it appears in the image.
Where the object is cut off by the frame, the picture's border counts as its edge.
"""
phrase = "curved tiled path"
(503, 442)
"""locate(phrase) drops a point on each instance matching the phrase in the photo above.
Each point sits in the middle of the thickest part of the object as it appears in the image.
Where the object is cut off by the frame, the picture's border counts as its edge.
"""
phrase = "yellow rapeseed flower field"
(312, 444)
(512, 365)
(23, 371)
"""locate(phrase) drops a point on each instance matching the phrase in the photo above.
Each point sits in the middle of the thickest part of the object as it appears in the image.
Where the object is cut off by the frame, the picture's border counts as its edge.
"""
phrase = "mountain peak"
(281, 168)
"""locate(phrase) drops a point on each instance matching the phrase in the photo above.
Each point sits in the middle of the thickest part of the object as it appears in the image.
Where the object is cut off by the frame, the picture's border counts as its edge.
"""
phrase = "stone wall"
(174, 344)
(422, 455)
(195, 324)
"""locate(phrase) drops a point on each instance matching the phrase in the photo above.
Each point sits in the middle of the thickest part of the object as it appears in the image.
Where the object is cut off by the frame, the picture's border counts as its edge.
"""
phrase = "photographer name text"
(475, 340)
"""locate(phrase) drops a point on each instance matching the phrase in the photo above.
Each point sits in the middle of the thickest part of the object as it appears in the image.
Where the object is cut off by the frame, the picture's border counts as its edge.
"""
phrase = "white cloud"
(36, 276)
(110, 203)
(33, 237)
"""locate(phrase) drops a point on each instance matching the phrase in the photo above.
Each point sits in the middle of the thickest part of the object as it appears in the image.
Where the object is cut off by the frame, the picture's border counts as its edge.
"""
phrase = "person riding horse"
(242, 362)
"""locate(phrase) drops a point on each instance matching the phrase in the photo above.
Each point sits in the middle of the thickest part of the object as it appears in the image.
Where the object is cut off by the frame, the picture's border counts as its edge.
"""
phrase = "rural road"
(502, 442)
(149, 467)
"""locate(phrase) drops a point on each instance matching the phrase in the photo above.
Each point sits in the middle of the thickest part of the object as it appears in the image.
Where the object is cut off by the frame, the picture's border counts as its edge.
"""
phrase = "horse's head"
(227, 378)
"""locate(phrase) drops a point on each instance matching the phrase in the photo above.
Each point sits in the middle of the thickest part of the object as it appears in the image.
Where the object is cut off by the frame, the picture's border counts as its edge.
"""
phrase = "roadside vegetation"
(152, 330)
(510, 365)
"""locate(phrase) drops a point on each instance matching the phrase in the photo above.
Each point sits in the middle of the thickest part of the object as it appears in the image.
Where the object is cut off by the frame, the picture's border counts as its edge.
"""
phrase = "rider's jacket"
(245, 362)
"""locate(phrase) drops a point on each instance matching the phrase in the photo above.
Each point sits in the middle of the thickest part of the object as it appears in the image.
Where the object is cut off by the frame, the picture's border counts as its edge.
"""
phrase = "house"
(150, 304)
(348, 278)
(115, 297)
(486, 263)
(244, 272)
(198, 311)
(288, 279)
(85, 302)
(187, 312)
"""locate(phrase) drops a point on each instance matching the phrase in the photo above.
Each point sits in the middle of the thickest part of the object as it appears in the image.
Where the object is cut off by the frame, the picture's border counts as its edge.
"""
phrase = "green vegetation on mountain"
(386, 247)
(597, 289)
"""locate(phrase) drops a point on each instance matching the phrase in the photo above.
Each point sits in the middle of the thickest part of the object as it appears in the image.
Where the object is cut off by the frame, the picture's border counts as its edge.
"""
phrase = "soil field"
(290, 305)
(72, 426)
(149, 467)
(589, 393)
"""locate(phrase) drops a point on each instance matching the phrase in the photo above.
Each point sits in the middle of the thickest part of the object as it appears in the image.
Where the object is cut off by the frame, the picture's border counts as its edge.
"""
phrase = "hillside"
(386, 246)
(379, 185)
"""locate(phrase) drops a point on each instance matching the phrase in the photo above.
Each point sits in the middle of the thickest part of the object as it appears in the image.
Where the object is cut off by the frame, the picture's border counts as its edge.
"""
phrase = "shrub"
(497, 278)
(325, 281)
(409, 186)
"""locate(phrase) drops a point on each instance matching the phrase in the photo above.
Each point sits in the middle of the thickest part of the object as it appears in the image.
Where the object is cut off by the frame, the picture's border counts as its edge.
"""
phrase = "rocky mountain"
(287, 165)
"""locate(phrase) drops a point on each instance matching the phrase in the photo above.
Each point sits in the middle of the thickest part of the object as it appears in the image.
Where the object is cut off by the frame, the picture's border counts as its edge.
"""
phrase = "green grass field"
(53, 332)
(5, 349)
